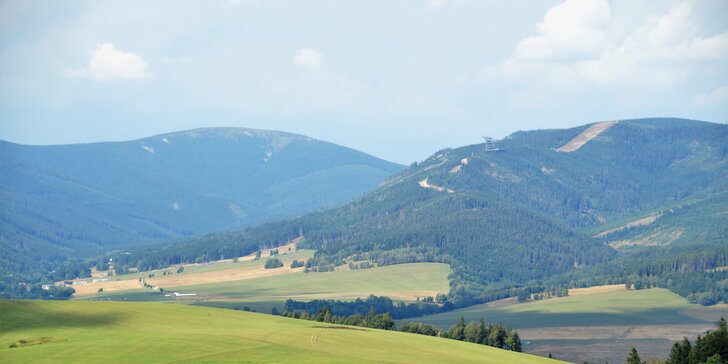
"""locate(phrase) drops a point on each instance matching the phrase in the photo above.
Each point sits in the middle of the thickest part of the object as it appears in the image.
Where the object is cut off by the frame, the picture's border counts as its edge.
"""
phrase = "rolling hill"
(78, 200)
(523, 219)
(62, 332)
(597, 324)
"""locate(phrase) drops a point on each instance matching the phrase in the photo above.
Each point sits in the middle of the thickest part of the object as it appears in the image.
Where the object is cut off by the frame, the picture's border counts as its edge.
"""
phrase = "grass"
(135, 332)
(634, 307)
(284, 256)
(401, 281)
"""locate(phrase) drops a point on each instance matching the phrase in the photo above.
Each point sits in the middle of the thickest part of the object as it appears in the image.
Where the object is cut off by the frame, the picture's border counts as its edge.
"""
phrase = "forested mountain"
(78, 200)
(524, 218)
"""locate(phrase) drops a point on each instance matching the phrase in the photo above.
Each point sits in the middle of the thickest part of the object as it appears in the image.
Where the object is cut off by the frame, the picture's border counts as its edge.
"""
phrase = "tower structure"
(491, 144)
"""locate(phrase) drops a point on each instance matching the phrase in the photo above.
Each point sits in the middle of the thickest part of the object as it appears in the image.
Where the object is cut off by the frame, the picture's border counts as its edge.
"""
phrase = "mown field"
(135, 332)
(623, 307)
(598, 325)
(217, 271)
(404, 282)
(401, 281)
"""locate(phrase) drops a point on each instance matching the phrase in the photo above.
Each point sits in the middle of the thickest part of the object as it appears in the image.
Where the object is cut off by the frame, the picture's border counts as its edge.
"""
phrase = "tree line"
(495, 335)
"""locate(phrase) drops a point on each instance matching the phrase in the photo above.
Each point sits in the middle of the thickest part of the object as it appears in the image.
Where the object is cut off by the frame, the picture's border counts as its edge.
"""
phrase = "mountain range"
(637, 201)
(74, 201)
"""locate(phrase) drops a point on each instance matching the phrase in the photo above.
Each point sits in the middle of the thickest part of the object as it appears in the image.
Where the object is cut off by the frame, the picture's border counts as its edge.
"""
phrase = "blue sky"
(397, 79)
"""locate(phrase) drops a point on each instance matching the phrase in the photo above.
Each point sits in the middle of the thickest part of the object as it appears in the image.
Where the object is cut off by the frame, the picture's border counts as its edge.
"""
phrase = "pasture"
(135, 332)
(404, 282)
(597, 324)
(218, 271)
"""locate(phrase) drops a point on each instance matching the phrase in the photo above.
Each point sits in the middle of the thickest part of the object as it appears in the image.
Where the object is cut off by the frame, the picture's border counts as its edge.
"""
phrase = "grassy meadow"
(135, 332)
(400, 281)
(597, 325)
(626, 307)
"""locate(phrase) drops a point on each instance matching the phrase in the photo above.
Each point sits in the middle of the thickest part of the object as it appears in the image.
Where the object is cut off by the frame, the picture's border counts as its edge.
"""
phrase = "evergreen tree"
(680, 353)
(715, 359)
(513, 341)
(457, 331)
(473, 332)
(634, 357)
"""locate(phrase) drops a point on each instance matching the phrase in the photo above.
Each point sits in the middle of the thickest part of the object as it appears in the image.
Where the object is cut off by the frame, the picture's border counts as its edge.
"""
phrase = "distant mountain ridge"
(522, 219)
(76, 200)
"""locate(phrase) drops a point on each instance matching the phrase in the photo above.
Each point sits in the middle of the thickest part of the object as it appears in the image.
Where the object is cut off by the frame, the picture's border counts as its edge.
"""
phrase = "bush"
(273, 263)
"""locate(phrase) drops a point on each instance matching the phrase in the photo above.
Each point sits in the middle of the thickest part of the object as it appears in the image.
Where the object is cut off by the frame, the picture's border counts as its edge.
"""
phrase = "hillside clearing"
(75, 331)
(597, 289)
(639, 222)
(658, 238)
(585, 136)
(424, 184)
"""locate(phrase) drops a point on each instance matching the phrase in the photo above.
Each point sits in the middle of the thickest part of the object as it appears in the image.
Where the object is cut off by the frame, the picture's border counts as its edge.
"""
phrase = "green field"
(597, 327)
(635, 307)
(135, 332)
(401, 281)
(285, 256)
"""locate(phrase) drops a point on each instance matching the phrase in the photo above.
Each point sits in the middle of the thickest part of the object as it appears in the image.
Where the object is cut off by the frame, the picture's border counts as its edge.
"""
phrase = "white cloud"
(308, 58)
(441, 3)
(106, 62)
(581, 42)
(570, 29)
(718, 97)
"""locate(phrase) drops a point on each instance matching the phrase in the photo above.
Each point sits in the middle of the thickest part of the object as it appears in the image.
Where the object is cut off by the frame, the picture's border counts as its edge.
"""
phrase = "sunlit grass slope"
(135, 332)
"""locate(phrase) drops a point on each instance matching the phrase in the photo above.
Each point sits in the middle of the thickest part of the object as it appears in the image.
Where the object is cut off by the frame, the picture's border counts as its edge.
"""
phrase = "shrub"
(273, 263)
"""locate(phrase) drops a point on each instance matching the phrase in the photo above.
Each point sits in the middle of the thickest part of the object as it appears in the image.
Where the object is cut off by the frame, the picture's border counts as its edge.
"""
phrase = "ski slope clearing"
(134, 332)
(585, 136)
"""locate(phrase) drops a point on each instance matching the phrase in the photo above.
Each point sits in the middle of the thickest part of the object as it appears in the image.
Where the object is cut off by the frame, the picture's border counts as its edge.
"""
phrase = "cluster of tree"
(24, 280)
(102, 266)
(378, 305)
(273, 263)
(421, 329)
(297, 264)
(273, 252)
(373, 320)
(557, 292)
(711, 348)
(361, 265)
(496, 335)
(36, 291)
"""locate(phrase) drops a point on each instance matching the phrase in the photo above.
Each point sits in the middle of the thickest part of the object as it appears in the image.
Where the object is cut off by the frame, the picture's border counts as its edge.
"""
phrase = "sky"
(396, 79)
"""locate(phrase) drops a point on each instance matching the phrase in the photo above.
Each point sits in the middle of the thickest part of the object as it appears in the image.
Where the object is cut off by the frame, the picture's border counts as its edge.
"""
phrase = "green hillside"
(81, 200)
(521, 219)
(62, 332)
(634, 307)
